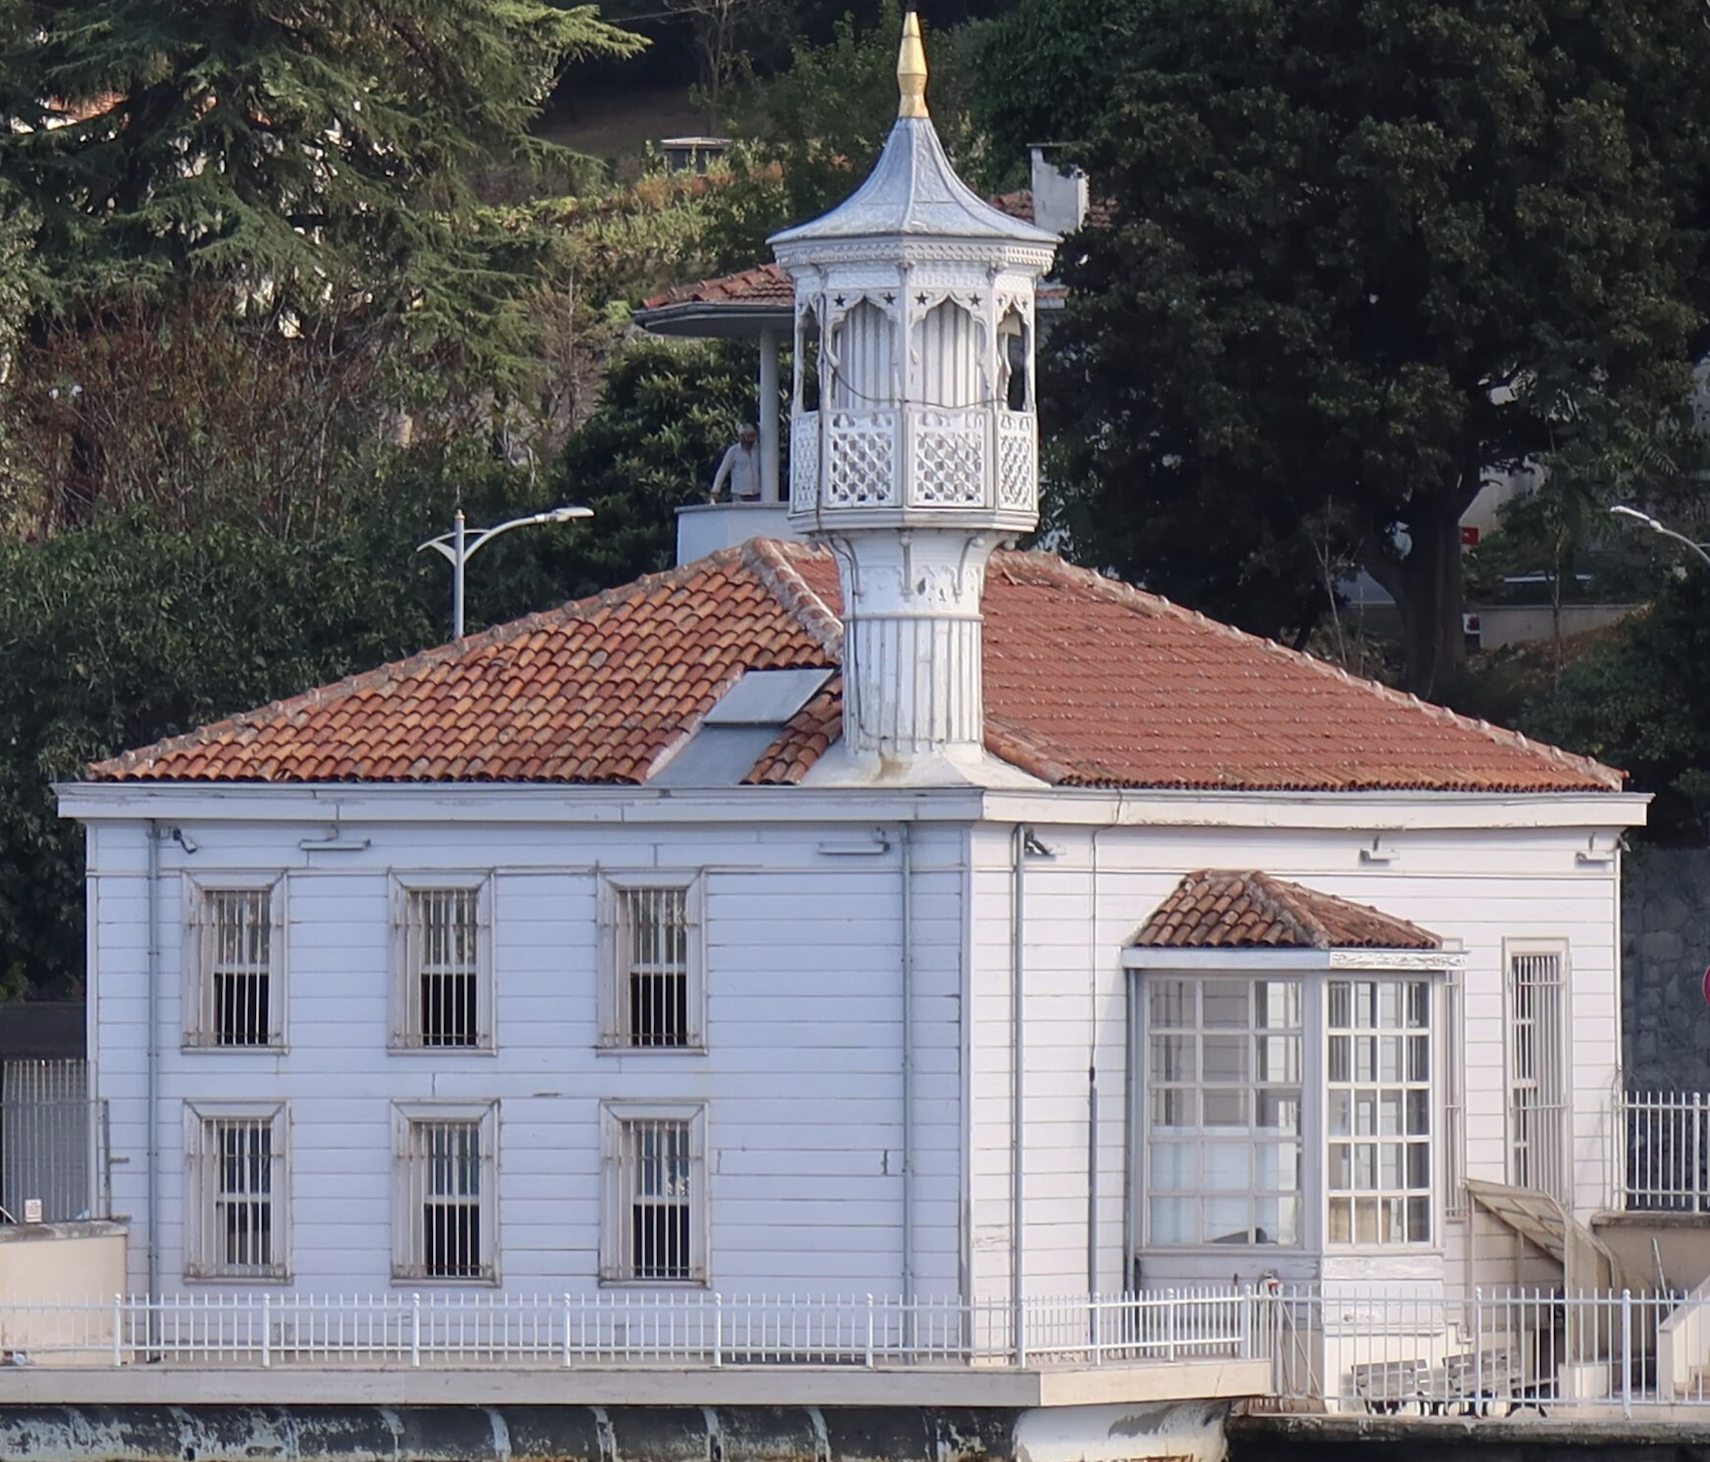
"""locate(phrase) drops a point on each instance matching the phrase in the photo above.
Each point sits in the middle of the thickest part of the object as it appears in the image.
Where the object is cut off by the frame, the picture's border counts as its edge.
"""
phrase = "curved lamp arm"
(458, 546)
(1621, 510)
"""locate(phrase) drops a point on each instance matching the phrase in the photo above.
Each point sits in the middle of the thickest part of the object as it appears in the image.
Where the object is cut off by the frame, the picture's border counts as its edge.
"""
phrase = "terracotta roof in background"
(766, 284)
(1088, 683)
(1216, 909)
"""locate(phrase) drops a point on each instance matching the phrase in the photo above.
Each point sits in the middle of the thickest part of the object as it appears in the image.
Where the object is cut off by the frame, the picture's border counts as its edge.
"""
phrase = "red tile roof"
(1215, 909)
(766, 284)
(1088, 683)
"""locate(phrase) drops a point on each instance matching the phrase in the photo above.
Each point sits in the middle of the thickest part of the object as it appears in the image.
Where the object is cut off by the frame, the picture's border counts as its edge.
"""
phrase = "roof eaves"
(382, 676)
(1610, 778)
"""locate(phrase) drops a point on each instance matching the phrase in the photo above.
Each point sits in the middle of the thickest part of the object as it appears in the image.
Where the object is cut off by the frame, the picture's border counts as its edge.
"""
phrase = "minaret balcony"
(914, 459)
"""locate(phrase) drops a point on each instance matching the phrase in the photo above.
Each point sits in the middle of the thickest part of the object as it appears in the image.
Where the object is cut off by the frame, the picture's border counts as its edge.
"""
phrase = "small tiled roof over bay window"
(1221, 909)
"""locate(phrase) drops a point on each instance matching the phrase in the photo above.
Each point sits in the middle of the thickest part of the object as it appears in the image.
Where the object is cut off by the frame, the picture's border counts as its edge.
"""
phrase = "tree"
(307, 160)
(1362, 254)
(813, 131)
(667, 414)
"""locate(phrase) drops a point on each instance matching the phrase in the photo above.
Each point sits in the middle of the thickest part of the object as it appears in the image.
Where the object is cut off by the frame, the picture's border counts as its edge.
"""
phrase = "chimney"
(1059, 193)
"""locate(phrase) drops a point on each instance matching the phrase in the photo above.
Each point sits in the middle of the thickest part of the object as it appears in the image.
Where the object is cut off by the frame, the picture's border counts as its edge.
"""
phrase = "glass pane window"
(444, 1199)
(441, 992)
(1378, 1111)
(236, 1219)
(1223, 1076)
(653, 997)
(236, 991)
(656, 1197)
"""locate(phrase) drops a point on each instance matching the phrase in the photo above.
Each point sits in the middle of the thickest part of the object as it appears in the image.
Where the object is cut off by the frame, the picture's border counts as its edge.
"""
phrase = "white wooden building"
(876, 912)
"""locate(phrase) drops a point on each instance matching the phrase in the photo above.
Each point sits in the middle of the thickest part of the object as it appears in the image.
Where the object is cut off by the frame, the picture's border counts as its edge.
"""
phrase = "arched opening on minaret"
(948, 349)
(807, 360)
(863, 356)
(1015, 360)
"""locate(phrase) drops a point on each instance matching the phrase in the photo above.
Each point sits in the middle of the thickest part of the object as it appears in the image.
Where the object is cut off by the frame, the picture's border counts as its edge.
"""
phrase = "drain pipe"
(1017, 1106)
(153, 1100)
(905, 849)
(1092, 1076)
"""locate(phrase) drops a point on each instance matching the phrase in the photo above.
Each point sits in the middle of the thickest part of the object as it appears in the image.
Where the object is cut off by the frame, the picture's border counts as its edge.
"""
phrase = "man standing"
(741, 465)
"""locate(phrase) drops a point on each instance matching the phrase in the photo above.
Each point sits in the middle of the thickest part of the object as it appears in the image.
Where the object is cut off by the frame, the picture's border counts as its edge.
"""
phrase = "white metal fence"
(1491, 1352)
(53, 1149)
(1487, 1353)
(1666, 1151)
(663, 1328)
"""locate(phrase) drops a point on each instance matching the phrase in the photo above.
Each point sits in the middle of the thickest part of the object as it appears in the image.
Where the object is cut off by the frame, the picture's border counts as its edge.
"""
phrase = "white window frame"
(618, 1181)
(204, 1259)
(409, 1191)
(1196, 1140)
(199, 955)
(406, 1032)
(1404, 1083)
(614, 984)
(1559, 1183)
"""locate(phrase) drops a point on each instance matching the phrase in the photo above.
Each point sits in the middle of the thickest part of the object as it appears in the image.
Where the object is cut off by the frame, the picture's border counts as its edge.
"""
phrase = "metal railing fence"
(1665, 1147)
(53, 1150)
(615, 1327)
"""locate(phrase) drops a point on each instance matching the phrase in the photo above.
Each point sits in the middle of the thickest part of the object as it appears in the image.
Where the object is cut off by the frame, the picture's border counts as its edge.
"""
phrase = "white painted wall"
(1475, 888)
(803, 1076)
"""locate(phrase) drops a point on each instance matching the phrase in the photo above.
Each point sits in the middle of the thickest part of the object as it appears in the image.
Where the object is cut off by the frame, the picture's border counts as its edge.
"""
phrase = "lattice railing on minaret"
(1018, 459)
(860, 460)
(804, 462)
(950, 459)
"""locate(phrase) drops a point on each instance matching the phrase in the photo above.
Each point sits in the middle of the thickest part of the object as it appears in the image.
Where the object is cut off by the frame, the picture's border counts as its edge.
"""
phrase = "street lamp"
(1621, 510)
(459, 546)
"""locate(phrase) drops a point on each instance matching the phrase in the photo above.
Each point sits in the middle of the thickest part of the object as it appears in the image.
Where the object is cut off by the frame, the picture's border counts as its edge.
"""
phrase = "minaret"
(913, 439)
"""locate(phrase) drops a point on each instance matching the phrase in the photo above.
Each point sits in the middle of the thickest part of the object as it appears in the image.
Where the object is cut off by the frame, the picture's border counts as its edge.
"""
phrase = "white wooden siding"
(1476, 888)
(802, 1077)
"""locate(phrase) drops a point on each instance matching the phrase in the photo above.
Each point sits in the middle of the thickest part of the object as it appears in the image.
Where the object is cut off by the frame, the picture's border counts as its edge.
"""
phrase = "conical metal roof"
(913, 190)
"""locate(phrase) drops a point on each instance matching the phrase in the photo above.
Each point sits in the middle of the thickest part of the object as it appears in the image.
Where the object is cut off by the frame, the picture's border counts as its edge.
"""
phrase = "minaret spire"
(911, 70)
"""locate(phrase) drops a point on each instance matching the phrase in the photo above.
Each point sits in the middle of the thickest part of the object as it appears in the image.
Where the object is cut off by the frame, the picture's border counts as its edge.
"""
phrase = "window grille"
(1378, 1120)
(237, 1203)
(236, 987)
(1224, 1125)
(656, 1197)
(1537, 1096)
(653, 984)
(445, 1183)
(442, 999)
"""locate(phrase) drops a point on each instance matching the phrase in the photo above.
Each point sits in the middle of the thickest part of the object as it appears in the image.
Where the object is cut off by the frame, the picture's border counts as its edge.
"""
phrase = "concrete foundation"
(1180, 1432)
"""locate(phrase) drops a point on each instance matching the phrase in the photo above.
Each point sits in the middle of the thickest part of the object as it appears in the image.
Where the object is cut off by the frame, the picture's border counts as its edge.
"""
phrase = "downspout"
(1092, 1076)
(1017, 1067)
(153, 1098)
(905, 847)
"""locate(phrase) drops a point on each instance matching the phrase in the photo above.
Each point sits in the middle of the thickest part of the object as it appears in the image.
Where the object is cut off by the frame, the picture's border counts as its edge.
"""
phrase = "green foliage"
(668, 412)
(1362, 254)
(813, 131)
(295, 148)
(1641, 701)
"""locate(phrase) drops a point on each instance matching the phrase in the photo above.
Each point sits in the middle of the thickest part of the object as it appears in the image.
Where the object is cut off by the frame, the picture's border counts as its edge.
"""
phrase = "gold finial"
(911, 69)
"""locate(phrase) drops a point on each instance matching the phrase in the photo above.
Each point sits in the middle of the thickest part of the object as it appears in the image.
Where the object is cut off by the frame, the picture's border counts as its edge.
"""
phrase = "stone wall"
(1665, 914)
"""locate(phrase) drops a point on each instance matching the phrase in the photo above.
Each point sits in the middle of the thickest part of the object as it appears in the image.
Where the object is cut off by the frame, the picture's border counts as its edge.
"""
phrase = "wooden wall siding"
(1476, 887)
(801, 1078)
(803, 1074)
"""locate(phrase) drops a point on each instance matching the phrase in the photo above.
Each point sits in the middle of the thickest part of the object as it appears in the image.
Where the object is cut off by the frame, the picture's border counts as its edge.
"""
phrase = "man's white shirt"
(742, 467)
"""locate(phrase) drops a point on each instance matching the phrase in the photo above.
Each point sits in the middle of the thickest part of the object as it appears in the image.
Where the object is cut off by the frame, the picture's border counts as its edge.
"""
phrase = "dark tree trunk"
(1428, 585)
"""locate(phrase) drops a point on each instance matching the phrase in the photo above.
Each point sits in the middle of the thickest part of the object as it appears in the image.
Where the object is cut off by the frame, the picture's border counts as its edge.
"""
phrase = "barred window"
(655, 1195)
(1536, 990)
(237, 1199)
(442, 993)
(652, 987)
(444, 1226)
(235, 994)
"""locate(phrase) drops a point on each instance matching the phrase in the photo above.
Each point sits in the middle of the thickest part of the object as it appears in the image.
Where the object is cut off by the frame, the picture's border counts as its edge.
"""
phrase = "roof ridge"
(769, 560)
(1274, 894)
(394, 671)
(1142, 601)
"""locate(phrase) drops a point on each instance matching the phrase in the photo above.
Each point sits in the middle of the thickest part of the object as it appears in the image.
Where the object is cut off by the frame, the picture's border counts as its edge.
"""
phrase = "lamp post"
(1621, 510)
(459, 546)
